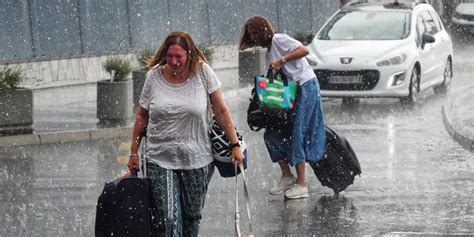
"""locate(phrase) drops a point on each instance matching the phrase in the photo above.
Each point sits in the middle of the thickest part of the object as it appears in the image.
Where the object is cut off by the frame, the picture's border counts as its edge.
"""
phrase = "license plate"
(345, 79)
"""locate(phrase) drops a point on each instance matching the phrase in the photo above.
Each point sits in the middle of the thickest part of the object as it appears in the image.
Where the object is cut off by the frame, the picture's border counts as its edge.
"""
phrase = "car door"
(439, 58)
(427, 52)
(443, 47)
(423, 54)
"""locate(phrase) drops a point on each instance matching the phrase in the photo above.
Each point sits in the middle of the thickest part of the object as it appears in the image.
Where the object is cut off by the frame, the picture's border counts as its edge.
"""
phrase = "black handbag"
(221, 147)
(259, 116)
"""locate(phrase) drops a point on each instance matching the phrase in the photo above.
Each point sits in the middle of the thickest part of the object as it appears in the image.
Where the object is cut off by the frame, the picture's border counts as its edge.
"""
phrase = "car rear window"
(367, 25)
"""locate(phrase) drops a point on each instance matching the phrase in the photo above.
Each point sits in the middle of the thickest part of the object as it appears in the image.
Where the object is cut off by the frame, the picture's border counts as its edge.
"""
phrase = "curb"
(64, 136)
(87, 135)
(453, 125)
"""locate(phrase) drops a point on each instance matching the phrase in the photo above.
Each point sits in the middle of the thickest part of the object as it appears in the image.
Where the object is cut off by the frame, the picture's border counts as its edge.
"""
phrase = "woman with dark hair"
(306, 140)
(173, 109)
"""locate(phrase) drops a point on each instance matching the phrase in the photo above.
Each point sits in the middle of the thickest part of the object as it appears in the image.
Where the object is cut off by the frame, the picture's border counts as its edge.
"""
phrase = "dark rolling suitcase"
(123, 207)
(339, 166)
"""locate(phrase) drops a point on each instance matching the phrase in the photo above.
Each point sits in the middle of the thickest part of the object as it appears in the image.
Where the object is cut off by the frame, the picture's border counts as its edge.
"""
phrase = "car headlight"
(395, 60)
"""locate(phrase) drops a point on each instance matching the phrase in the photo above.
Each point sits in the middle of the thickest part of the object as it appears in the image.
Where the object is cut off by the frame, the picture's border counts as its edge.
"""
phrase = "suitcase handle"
(143, 152)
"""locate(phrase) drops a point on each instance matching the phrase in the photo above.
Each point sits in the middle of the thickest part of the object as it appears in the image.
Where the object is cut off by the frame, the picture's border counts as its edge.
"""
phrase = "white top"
(299, 69)
(178, 120)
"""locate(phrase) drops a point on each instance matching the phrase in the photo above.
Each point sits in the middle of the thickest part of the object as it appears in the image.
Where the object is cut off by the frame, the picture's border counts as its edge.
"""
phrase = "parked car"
(463, 17)
(382, 50)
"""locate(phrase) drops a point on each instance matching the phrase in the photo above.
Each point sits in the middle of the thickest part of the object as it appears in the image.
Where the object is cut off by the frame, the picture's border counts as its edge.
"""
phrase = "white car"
(463, 17)
(382, 50)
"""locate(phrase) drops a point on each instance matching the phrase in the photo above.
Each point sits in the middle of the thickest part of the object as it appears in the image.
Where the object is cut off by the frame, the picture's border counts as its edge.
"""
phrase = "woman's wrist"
(233, 145)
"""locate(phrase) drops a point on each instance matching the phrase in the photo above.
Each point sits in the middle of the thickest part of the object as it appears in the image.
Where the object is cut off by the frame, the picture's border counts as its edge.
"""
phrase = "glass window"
(430, 25)
(367, 25)
(420, 29)
(437, 21)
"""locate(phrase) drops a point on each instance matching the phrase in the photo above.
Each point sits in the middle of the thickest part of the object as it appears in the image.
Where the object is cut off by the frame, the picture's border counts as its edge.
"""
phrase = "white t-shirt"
(177, 135)
(299, 69)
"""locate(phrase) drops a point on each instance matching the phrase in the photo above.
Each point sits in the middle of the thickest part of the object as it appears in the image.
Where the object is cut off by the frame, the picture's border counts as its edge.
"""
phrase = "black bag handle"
(253, 108)
(271, 74)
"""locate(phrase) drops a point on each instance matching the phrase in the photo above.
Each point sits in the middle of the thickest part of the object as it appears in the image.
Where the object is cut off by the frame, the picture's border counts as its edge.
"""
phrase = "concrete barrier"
(251, 63)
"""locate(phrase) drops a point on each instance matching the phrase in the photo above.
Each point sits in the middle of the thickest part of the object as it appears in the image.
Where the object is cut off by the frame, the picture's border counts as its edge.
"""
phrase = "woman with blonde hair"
(173, 109)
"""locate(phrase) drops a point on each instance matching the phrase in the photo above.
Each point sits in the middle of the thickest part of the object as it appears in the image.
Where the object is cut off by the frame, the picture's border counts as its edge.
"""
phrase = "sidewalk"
(68, 114)
(458, 117)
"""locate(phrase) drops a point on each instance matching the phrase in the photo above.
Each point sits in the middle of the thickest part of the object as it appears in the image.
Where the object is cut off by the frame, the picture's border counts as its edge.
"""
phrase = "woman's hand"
(133, 162)
(237, 155)
(276, 65)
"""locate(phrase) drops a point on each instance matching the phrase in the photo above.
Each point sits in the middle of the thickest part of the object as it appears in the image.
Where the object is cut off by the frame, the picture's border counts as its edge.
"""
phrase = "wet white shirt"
(299, 69)
(178, 120)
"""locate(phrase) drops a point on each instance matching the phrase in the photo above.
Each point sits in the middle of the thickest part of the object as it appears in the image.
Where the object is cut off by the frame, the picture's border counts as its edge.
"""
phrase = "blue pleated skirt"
(307, 140)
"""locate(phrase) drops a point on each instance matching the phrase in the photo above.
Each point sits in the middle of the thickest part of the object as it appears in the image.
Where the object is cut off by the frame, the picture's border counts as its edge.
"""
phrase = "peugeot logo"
(346, 60)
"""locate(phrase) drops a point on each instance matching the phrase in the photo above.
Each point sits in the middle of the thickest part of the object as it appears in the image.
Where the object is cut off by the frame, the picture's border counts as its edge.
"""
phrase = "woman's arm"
(297, 53)
(223, 117)
(141, 121)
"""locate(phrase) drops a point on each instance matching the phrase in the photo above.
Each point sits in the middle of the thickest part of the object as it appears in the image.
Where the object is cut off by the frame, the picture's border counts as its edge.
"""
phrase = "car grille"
(369, 80)
(468, 17)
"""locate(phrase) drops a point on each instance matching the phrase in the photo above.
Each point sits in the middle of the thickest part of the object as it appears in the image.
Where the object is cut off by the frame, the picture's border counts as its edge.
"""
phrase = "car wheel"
(413, 89)
(447, 75)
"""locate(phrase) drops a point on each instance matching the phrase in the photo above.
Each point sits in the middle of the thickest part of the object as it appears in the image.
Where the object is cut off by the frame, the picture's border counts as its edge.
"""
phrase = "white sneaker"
(284, 184)
(297, 191)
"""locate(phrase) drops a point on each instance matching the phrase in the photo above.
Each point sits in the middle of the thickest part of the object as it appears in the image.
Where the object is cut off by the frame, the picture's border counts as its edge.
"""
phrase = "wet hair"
(183, 39)
(263, 25)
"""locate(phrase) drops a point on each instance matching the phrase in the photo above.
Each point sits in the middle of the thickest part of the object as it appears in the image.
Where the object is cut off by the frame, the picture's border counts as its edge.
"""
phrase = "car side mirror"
(426, 38)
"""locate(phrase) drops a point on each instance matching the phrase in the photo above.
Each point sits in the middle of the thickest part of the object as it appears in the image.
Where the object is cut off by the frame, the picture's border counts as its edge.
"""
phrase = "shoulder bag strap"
(205, 83)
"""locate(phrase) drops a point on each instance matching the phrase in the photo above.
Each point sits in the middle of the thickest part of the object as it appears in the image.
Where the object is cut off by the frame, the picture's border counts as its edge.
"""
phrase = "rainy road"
(416, 178)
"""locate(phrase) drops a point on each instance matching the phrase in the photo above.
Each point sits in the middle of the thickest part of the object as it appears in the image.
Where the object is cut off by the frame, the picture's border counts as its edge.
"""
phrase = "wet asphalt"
(417, 179)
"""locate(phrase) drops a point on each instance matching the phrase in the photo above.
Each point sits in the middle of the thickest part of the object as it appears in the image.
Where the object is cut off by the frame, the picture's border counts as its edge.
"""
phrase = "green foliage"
(118, 68)
(304, 38)
(143, 56)
(10, 78)
(207, 51)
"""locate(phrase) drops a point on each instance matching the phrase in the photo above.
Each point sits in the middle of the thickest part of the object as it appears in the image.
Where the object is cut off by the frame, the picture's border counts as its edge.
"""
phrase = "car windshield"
(367, 25)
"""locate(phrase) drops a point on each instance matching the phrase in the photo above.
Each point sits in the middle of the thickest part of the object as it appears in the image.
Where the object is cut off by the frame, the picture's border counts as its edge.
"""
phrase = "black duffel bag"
(258, 117)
